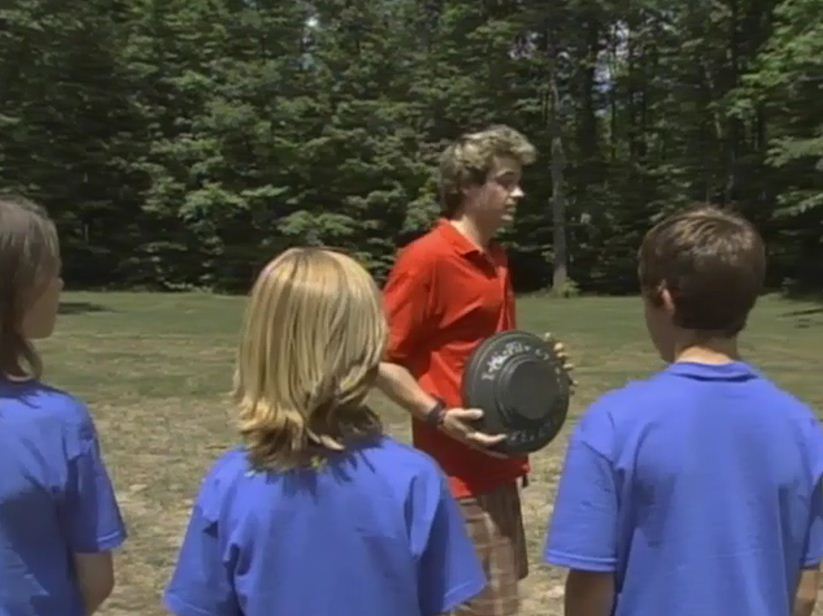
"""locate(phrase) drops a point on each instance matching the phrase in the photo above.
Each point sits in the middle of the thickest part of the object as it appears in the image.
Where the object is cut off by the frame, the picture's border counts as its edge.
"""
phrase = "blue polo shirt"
(699, 489)
(56, 499)
(374, 533)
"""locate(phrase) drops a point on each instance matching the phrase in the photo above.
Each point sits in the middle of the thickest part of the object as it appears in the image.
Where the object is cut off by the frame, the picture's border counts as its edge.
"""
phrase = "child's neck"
(712, 351)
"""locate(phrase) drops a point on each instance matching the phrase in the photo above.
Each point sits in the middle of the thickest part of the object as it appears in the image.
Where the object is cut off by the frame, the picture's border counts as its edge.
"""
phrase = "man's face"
(492, 204)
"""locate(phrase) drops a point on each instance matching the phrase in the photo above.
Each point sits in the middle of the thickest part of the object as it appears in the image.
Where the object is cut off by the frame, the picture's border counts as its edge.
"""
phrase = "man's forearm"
(589, 594)
(397, 383)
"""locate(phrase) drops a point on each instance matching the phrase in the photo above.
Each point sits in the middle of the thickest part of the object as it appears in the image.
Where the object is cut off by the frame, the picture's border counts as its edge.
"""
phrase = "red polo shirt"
(443, 298)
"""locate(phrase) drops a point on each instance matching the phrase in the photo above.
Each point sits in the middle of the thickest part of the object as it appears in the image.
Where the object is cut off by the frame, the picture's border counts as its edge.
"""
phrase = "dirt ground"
(155, 370)
(158, 475)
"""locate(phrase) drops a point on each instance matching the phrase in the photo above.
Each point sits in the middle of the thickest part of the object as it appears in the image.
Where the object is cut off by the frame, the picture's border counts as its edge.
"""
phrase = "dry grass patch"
(155, 370)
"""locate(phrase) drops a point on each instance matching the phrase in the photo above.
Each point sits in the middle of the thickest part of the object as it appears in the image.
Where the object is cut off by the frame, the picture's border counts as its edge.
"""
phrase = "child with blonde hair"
(319, 513)
(59, 520)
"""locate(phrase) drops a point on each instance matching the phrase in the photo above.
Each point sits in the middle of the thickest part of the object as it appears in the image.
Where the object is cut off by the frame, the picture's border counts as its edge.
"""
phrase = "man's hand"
(560, 350)
(456, 423)
(398, 385)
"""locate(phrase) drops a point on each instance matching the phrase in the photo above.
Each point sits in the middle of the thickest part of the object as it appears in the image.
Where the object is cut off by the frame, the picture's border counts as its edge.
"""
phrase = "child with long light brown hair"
(59, 520)
(319, 513)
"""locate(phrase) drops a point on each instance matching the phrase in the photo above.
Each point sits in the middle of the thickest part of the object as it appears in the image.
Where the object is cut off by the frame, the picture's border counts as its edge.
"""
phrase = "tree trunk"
(734, 124)
(558, 163)
(560, 273)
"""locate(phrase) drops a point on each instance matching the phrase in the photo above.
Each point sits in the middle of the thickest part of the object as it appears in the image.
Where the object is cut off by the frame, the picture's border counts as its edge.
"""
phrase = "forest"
(179, 144)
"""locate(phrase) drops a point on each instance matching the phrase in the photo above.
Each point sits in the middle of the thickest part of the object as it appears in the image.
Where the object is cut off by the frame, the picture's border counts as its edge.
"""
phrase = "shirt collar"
(733, 371)
(460, 242)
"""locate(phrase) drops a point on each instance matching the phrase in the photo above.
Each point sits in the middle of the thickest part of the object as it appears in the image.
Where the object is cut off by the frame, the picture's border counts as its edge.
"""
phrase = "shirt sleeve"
(583, 532)
(92, 516)
(406, 298)
(201, 584)
(449, 570)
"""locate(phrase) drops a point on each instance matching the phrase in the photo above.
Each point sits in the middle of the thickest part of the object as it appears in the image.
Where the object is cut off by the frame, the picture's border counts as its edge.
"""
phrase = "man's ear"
(468, 188)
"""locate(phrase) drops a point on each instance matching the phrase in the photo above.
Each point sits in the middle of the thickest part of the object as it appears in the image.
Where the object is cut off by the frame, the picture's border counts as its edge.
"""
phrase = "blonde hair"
(470, 158)
(313, 338)
(29, 255)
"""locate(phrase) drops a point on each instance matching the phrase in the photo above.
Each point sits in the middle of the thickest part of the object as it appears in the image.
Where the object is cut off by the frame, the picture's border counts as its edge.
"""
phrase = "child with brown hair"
(319, 513)
(697, 491)
(59, 520)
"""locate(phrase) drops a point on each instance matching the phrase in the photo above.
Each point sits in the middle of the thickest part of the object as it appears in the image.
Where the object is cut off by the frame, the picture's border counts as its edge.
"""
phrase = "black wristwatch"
(436, 414)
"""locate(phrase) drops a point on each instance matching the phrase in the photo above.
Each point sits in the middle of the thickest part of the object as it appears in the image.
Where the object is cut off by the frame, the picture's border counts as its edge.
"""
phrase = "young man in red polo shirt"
(449, 291)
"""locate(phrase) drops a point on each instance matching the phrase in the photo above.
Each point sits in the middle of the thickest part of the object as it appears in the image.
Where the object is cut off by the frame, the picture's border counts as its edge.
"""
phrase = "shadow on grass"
(804, 319)
(80, 308)
(804, 313)
(805, 316)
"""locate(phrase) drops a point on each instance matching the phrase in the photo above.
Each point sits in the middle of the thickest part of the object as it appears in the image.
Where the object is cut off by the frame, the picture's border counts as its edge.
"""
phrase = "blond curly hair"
(469, 159)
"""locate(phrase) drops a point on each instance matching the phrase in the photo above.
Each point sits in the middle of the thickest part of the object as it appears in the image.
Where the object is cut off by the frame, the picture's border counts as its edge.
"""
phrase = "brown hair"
(470, 158)
(29, 254)
(313, 338)
(713, 263)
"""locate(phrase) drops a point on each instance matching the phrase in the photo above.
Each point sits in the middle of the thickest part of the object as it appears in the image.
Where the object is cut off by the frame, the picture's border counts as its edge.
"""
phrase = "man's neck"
(477, 236)
(713, 351)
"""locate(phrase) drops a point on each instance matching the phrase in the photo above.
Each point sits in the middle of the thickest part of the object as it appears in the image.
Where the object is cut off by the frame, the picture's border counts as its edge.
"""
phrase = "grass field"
(155, 370)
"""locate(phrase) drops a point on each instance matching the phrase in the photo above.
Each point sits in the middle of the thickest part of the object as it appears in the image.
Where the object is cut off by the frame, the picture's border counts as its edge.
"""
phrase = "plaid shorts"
(495, 524)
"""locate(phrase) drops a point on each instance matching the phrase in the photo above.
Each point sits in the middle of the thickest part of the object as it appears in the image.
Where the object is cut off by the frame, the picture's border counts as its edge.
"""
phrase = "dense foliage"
(183, 142)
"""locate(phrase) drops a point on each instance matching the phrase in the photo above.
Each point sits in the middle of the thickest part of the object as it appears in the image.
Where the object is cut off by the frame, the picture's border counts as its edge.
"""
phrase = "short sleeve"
(406, 297)
(449, 570)
(201, 584)
(91, 514)
(583, 531)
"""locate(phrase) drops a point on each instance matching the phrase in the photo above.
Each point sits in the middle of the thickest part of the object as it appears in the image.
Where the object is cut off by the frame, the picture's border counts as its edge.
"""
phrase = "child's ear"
(653, 295)
(665, 299)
